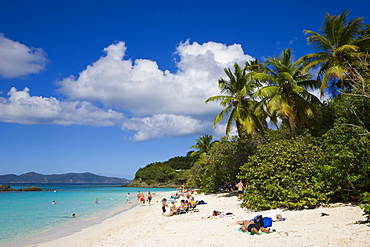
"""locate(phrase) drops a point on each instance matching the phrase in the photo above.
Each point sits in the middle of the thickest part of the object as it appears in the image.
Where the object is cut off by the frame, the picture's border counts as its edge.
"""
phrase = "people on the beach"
(141, 198)
(192, 202)
(96, 201)
(164, 205)
(275, 217)
(240, 186)
(149, 198)
(173, 209)
(128, 198)
(174, 197)
(252, 227)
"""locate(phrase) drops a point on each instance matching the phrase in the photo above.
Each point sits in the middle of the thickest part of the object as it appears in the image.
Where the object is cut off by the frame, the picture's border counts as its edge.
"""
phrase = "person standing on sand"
(164, 205)
(138, 197)
(128, 198)
(240, 186)
(142, 199)
(149, 198)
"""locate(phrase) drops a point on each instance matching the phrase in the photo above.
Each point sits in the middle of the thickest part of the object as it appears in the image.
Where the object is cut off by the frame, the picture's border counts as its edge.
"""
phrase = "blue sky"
(110, 86)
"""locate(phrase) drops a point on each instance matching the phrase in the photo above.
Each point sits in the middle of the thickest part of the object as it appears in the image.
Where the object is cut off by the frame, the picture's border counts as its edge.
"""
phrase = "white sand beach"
(146, 226)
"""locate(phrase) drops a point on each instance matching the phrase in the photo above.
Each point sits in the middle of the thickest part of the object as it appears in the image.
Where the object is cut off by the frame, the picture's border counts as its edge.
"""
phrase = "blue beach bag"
(267, 222)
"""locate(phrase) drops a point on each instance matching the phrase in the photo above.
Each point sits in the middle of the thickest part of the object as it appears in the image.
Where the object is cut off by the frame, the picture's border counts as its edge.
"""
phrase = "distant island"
(68, 178)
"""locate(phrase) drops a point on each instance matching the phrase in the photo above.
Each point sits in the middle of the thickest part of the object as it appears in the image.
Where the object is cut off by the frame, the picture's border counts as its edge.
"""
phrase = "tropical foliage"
(318, 152)
(236, 98)
(220, 165)
(203, 145)
(165, 173)
(284, 174)
(340, 44)
(286, 94)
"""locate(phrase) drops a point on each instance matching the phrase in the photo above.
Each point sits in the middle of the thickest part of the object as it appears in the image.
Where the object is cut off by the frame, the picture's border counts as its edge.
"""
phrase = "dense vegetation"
(317, 152)
(168, 173)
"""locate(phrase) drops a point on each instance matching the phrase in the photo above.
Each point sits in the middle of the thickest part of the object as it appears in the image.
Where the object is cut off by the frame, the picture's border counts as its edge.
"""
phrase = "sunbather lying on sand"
(275, 217)
(252, 227)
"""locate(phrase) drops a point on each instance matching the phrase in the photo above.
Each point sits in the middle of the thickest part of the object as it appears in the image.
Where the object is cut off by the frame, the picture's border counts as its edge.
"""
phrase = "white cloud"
(18, 60)
(141, 88)
(159, 103)
(22, 108)
(167, 125)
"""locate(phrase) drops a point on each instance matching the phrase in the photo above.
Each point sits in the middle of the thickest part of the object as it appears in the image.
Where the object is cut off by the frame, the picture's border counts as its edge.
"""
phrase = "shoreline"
(146, 226)
(76, 225)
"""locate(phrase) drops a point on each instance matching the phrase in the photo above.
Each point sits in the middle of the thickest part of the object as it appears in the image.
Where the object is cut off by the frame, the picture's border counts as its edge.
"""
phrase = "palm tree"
(339, 44)
(203, 145)
(286, 95)
(240, 109)
(255, 65)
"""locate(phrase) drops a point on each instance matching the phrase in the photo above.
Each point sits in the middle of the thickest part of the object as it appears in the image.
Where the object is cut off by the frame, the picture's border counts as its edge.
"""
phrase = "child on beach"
(128, 198)
(164, 205)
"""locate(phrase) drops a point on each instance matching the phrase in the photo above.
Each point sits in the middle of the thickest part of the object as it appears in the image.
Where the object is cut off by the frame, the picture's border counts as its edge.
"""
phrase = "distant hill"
(68, 178)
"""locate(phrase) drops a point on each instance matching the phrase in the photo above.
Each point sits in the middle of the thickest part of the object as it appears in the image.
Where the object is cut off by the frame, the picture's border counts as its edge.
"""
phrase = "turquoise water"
(23, 214)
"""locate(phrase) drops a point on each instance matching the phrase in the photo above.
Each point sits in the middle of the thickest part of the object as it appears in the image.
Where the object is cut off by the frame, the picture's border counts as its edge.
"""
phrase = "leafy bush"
(163, 172)
(345, 161)
(366, 207)
(220, 164)
(284, 174)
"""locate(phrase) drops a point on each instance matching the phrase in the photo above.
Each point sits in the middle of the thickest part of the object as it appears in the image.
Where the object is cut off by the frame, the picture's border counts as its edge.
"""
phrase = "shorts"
(163, 209)
(253, 226)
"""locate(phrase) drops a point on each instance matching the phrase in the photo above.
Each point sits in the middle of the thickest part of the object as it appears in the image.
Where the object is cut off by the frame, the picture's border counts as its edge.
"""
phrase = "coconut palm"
(286, 95)
(255, 65)
(338, 45)
(236, 91)
(203, 145)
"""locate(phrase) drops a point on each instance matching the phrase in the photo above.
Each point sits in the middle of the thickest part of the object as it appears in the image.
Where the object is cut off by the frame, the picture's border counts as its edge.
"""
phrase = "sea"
(31, 217)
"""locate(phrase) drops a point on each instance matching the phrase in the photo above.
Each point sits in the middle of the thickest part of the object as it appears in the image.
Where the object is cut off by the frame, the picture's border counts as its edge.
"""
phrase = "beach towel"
(249, 233)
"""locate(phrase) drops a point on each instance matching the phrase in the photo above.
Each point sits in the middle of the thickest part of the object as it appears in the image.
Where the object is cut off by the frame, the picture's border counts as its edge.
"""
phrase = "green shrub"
(220, 165)
(345, 162)
(366, 206)
(284, 174)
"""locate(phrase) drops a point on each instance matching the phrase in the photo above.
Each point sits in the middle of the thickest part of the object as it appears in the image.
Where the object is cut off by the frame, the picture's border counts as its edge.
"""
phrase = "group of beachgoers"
(187, 204)
(183, 202)
(141, 198)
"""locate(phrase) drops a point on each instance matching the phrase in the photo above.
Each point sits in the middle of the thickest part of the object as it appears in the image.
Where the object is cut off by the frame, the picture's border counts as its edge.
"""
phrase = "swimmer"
(96, 200)
(73, 215)
(53, 202)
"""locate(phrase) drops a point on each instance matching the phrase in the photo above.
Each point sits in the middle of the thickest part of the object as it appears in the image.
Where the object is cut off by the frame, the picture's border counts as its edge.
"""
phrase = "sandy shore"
(145, 226)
